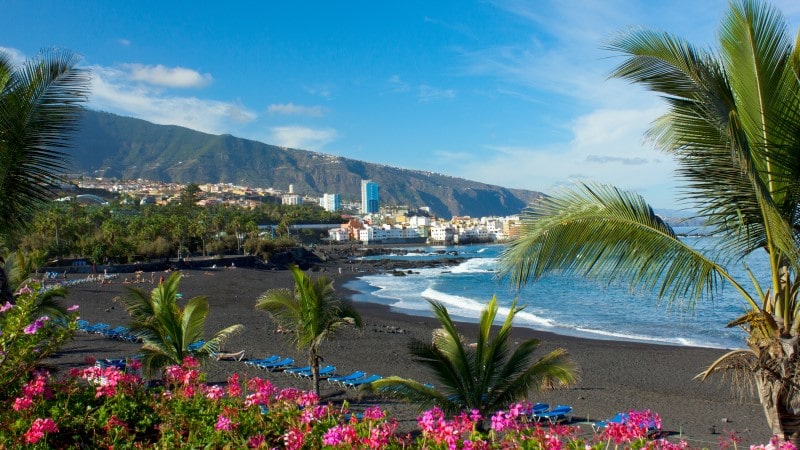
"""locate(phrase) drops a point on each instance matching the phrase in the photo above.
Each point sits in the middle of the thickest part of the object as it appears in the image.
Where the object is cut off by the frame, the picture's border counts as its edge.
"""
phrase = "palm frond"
(601, 232)
(40, 105)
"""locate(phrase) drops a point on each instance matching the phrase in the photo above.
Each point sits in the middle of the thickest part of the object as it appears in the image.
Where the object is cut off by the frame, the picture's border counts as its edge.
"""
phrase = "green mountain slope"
(114, 146)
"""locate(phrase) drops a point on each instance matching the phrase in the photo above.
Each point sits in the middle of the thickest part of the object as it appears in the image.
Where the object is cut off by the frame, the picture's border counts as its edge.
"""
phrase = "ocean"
(559, 304)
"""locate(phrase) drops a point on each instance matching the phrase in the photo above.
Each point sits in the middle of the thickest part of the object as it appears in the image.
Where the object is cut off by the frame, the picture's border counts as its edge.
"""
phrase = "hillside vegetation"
(114, 146)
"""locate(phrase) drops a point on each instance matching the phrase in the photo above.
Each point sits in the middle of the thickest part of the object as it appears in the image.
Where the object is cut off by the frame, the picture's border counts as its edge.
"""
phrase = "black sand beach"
(615, 376)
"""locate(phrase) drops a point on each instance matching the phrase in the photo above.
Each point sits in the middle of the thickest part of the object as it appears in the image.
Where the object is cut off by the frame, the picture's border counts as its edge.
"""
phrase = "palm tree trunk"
(315, 372)
(777, 390)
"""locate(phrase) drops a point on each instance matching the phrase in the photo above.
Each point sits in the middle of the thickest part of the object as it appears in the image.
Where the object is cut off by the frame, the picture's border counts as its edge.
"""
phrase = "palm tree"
(733, 125)
(312, 312)
(166, 330)
(40, 104)
(486, 376)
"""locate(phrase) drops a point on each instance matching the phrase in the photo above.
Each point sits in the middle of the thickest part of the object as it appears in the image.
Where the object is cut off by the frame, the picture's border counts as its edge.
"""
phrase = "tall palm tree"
(312, 312)
(733, 125)
(40, 104)
(167, 331)
(486, 376)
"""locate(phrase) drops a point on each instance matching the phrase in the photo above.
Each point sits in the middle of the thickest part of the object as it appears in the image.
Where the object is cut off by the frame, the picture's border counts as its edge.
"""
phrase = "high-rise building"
(331, 202)
(369, 197)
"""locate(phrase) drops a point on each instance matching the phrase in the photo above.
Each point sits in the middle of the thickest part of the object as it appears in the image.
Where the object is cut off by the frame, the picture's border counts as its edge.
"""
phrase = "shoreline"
(615, 375)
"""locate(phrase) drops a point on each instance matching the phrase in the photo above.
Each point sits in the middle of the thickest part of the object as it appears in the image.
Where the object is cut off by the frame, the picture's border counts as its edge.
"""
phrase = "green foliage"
(40, 103)
(312, 311)
(167, 331)
(733, 126)
(485, 376)
(32, 329)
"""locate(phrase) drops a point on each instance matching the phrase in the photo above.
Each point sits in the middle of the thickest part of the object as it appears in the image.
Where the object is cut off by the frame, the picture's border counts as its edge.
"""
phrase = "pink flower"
(73, 308)
(22, 403)
(256, 441)
(294, 439)
(6, 307)
(33, 327)
(340, 434)
(38, 429)
(223, 424)
(214, 393)
(234, 389)
(24, 290)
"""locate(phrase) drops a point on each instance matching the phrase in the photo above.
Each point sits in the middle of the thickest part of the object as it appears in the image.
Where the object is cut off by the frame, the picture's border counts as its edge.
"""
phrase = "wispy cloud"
(17, 57)
(290, 109)
(321, 90)
(124, 42)
(303, 137)
(173, 77)
(114, 91)
(429, 93)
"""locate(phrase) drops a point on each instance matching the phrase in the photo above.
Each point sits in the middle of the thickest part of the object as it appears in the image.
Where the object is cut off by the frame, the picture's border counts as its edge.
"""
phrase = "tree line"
(130, 232)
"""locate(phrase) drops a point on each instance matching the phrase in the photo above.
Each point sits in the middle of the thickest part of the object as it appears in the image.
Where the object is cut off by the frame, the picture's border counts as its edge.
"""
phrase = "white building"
(291, 199)
(331, 202)
(338, 235)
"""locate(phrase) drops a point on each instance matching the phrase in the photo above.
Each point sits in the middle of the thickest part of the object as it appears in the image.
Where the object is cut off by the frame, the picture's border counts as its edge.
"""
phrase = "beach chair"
(538, 408)
(622, 419)
(196, 345)
(97, 328)
(226, 356)
(83, 325)
(619, 418)
(297, 370)
(560, 413)
(358, 383)
(116, 332)
(268, 359)
(119, 363)
(323, 372)
(351, 377)
(277, 365)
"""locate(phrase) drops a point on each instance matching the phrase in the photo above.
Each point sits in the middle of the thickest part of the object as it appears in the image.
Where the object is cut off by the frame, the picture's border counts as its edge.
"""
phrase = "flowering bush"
(28, 335)
(105, 408)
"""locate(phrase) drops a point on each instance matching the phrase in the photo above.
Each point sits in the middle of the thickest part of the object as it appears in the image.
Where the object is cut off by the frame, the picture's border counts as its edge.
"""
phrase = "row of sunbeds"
(276, 363)
(120, 332)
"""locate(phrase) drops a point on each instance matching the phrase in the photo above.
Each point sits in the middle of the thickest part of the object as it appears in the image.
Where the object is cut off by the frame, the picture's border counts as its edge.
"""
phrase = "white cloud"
(429, 93)
(173, 77)
(124, 42)
(112, 91)
(607, 147)
(290, 109)
(17, 57)
(302, 137)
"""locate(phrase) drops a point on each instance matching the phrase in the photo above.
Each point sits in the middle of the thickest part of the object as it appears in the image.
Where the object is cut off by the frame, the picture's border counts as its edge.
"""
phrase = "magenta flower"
(256, 441)
(223, 424)
(37, 324)
(73, 308)
(6, 307)
(38, 430)
(22, 403)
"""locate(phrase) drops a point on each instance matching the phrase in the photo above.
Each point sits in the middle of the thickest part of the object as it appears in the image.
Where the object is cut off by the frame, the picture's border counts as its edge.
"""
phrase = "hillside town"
(367, 221)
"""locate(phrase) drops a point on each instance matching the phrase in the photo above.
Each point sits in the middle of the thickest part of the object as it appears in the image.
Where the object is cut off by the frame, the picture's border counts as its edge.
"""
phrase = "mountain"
(107, 145)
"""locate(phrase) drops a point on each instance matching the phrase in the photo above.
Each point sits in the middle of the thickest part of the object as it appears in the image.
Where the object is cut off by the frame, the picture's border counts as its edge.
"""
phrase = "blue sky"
(511, 93)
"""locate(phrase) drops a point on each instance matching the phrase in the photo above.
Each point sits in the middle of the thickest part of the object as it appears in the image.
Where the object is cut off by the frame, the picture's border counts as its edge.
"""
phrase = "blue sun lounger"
(268, 359)
(277, 365)
(358, 383)
(323, 372)
(622, 418)
(305, 372)
(560, 413)
(351, 377)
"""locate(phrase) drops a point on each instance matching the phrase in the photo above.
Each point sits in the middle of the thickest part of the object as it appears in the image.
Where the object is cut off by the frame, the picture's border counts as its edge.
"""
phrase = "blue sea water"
(559, 304)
